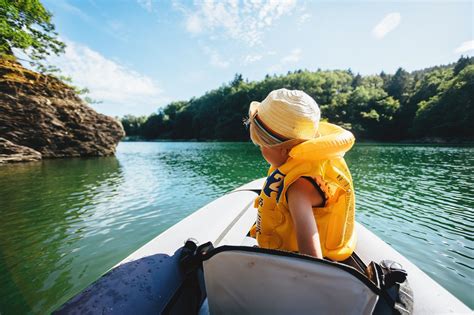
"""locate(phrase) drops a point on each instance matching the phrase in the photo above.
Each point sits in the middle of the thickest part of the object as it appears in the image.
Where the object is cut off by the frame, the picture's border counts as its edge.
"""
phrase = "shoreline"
(430, 141)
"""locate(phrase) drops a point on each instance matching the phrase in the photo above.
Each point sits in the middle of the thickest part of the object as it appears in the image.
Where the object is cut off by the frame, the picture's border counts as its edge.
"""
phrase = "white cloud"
(215, 58)
(386, 25)
(146, 4)
(251, 59)
(293, 57)
(465, 47)
(194, 24)
(231, 19)
(122, 90)
(304, 18)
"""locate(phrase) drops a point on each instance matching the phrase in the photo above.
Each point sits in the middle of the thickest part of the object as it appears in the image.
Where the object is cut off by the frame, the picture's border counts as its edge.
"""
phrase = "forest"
(433, 104)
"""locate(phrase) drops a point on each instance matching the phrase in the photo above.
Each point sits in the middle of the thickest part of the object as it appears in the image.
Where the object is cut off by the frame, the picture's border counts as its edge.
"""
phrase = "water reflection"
(420, 200)
(65, 222)
(219, 166)
(182, 177)
(47, 212)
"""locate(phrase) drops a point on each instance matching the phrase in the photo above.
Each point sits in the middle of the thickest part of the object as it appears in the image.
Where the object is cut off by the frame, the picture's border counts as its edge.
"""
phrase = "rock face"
(11, 153)
(42, 113)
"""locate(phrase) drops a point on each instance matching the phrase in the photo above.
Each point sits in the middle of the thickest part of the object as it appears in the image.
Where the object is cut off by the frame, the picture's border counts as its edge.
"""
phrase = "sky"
(137, 56)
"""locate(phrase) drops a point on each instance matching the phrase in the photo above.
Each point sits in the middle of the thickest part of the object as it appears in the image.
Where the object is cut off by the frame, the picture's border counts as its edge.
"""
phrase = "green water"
(66, 222)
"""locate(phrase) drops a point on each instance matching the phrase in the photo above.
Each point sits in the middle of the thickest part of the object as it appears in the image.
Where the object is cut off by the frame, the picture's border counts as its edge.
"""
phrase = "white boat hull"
(227, 220)
(154, 279)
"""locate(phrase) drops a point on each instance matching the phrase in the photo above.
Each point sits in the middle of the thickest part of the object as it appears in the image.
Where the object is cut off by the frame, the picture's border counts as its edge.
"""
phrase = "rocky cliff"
(41, 114)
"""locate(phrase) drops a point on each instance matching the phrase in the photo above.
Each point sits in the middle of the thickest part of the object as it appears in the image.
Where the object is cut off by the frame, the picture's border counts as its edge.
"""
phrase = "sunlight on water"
(420, 200)
(66, 222)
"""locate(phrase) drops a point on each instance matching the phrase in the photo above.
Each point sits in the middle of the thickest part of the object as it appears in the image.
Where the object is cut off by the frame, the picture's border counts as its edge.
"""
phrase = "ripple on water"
(427, 188)
(65, 222)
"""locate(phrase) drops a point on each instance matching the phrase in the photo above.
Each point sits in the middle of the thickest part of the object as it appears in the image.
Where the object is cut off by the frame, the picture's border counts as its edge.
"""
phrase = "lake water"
(66, 222)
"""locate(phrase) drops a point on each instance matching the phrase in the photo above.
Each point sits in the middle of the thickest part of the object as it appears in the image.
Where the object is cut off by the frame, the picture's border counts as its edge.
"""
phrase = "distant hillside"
(433, 104)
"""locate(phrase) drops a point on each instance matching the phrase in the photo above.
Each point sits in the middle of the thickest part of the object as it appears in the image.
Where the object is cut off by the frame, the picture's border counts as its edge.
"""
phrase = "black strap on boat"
(192, 255)
(396, 293)
(192, 292)
(393, 273)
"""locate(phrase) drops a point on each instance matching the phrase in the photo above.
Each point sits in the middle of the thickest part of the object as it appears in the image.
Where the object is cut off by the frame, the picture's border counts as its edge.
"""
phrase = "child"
(307, 202)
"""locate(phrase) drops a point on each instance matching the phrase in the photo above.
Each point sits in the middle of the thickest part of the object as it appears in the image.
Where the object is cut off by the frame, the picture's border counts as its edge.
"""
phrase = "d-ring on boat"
(227, 274)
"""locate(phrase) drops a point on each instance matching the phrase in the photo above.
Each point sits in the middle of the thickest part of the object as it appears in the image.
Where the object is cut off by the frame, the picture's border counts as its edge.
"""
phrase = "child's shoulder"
(304, 189)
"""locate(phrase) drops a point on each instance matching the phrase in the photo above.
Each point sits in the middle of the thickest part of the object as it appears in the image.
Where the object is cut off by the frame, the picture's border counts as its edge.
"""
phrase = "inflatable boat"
(207, 264)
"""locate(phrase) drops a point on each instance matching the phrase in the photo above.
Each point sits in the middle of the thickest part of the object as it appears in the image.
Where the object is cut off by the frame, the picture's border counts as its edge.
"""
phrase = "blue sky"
(138, 55)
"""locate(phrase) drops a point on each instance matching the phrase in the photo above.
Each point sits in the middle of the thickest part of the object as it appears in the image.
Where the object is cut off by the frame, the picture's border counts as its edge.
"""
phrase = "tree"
(385, 78)
(462, 63)
(449, 114)
(399, 84)
(133, 125)
(238, 79)
(174, 108)
(26, 25)
(357, 81)
(431, 102)
(372, 110)
(154, 126)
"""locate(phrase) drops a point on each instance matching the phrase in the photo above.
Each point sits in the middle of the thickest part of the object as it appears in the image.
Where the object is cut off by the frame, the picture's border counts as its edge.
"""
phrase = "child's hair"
(284, 119)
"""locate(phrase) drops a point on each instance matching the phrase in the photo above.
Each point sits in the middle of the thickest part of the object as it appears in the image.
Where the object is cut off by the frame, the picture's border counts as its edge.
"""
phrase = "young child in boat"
(307, 202)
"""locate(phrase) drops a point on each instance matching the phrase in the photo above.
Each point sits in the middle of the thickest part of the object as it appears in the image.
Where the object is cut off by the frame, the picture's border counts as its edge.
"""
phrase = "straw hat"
(285, 115)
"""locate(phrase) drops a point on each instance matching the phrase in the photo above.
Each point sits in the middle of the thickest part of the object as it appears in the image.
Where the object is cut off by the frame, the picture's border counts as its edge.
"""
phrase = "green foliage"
(449, 113)
(398, 86)
(434, 102)
(26, 25)
(462, 63)
(133, 125)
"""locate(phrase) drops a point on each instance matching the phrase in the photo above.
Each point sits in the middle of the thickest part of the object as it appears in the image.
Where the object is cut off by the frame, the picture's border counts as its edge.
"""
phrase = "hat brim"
(253, 108)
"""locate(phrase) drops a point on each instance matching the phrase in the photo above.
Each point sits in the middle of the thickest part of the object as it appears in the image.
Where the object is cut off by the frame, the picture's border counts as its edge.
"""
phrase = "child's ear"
(285, 151)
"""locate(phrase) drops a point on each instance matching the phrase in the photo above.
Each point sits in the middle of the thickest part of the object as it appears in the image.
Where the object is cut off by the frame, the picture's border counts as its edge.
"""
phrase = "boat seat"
(243, 280)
